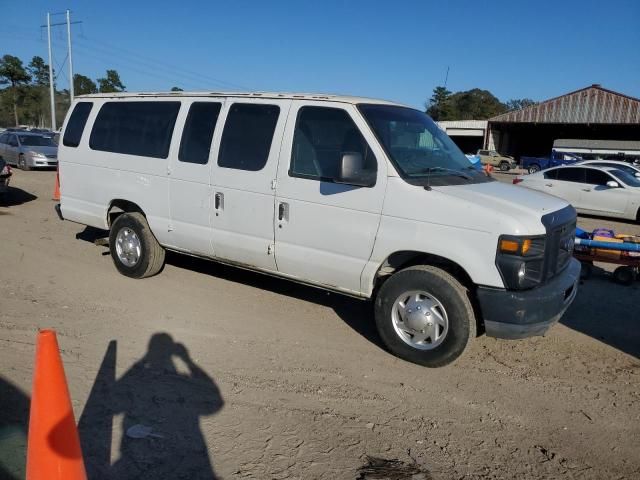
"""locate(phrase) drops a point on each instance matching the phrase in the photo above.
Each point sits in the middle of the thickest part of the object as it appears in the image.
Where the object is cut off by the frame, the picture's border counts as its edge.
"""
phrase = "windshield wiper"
(457, 173)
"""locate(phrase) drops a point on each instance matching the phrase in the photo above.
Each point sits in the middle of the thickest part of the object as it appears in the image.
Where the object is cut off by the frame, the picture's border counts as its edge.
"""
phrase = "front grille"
(561, 232)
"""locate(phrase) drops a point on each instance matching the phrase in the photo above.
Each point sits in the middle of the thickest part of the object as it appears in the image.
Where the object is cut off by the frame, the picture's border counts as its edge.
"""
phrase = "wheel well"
(118, 207)
(404, 259)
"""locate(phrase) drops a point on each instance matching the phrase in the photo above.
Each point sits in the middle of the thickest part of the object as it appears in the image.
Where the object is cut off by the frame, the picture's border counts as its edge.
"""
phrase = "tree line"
(475, 104)
(25, 98)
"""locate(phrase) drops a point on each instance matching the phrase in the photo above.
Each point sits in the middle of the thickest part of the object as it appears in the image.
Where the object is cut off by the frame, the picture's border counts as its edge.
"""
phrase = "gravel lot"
(252, 377)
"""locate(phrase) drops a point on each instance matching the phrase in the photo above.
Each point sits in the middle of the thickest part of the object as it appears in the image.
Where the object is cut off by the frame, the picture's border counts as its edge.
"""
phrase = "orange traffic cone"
(53, 447)
(56, 190)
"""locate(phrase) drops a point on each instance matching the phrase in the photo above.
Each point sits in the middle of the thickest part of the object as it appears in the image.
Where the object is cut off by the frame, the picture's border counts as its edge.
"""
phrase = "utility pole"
(70, 57)
(51, 81)
(446, 78)
(68, 23)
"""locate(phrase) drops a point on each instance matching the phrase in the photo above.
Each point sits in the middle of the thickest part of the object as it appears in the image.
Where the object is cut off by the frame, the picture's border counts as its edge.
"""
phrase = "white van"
(363, 197)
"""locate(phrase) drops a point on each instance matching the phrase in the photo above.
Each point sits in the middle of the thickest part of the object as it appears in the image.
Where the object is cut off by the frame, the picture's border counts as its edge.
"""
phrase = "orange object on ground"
(488, 169)
(56, 190)
(53, 447)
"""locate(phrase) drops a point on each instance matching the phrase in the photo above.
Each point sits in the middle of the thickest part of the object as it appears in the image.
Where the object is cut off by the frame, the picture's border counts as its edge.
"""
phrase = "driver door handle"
(548, 184)
(218, 201)
(586, 189)
(283, 211)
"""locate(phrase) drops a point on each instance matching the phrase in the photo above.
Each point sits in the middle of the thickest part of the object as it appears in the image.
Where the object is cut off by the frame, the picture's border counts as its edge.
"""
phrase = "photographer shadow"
(156, 395)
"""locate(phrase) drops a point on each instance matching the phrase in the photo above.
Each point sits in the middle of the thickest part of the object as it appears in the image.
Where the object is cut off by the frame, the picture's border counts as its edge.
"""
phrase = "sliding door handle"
(283, 211)
(219, 201)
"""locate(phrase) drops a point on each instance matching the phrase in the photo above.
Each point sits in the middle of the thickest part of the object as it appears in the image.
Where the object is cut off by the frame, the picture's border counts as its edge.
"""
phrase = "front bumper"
(513, 314)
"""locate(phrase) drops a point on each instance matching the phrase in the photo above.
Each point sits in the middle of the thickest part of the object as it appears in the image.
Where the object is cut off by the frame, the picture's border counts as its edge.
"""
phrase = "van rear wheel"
(424, 315)
(135, 251)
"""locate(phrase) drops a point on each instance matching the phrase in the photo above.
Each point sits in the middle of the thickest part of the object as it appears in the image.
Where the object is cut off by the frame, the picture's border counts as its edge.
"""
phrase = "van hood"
(523, 205)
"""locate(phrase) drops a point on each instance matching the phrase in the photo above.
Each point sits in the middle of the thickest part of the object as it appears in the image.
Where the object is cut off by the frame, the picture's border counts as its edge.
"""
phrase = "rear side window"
(198, 132)
(551, 174)
(571, 175)
(321, 137)
(77, 121)
(135, 128)
(247, 136)
(597, 177)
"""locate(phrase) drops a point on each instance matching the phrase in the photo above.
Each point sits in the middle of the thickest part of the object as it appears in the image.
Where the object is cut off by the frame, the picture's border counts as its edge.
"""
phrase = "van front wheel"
(424, 315)
(135, 251)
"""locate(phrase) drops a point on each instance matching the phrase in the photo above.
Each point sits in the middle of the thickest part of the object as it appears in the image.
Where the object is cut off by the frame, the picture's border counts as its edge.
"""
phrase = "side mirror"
(637, 174)
(612, 184)
(352, 171)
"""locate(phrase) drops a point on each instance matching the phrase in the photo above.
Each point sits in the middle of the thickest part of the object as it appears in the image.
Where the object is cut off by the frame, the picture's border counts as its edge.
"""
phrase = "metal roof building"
(591, 113)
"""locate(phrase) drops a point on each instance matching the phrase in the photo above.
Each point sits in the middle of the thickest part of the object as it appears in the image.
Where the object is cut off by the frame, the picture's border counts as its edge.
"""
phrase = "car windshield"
(36, 141)
(626, 178)
(420, 150)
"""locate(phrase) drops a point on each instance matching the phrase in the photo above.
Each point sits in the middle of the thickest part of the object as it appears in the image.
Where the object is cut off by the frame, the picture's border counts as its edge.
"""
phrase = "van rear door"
(243, 180)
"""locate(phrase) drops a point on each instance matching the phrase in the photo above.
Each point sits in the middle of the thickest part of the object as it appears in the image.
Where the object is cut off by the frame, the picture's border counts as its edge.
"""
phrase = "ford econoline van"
(363, 197)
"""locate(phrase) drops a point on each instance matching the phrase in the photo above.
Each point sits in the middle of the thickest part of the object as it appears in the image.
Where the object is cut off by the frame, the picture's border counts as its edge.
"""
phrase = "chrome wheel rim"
(128, 247)
(420, 320)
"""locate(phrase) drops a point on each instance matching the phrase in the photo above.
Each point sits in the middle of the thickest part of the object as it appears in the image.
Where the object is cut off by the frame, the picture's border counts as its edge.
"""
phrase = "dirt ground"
(246, 376)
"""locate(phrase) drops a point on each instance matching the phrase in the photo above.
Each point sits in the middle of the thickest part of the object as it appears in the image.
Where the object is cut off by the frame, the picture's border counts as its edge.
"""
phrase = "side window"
(77, 121)
(3, 138)
(483, 152)
(571, 174)
(551, 174)
(13, 140)
(322, 135)
(198, 132)
(135, 128)
(597, 177)
(247, 136)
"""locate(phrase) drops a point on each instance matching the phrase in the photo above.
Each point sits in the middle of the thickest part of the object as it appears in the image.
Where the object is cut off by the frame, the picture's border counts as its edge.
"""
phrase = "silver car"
(28, 150)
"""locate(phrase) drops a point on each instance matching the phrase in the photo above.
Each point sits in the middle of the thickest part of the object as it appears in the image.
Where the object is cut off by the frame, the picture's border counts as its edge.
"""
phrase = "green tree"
(12, 71)
(176, 89)
(475, 104)
(111, 83)
(83, 85)
(519, 103)
(39, 72)
(438, 106)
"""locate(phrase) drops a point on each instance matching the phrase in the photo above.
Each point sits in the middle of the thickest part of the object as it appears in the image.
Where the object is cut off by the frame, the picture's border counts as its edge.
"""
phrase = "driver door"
(325, 231)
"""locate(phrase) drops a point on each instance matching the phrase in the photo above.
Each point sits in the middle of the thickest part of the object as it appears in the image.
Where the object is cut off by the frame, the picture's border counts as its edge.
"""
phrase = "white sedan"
(605, 191)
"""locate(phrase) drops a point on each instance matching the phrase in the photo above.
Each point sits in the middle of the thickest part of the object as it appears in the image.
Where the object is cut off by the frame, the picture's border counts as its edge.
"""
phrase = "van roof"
(274, 95)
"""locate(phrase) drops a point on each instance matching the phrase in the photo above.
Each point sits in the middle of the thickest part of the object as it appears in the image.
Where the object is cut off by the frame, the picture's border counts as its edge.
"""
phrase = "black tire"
(449, 292)
(505, 166)
(22, 163)
(586, 270)
(623, 275)
(534, 168)
(151, 259)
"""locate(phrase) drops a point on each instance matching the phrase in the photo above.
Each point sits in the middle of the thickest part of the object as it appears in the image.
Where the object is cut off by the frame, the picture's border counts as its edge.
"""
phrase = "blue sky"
(397, 50)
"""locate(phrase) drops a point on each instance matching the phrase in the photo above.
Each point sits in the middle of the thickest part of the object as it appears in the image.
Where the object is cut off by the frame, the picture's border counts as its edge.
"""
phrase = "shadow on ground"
(14, 418)
(607, 311)
(357, 314)
(15, 196)
(153, 394)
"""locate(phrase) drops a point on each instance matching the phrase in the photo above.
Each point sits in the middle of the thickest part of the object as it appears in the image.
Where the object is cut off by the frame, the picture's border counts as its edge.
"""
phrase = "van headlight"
(520, 260)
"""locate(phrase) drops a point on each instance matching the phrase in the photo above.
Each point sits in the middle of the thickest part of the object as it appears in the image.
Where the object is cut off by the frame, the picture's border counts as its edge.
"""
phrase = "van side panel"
(90, 180)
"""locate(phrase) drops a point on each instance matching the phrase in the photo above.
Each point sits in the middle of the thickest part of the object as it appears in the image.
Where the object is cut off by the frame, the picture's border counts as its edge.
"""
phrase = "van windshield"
(420, 150)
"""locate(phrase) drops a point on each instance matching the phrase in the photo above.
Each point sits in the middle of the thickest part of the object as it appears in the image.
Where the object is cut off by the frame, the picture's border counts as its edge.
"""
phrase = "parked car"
(605, 191)
(28, 150)
(535, 164)
(5, 176)
(358, 196)
(631, 169)
(493, 158)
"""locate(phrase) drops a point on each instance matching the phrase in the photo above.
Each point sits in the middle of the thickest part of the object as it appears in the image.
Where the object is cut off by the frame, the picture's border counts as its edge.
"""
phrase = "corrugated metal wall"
(590, 105)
